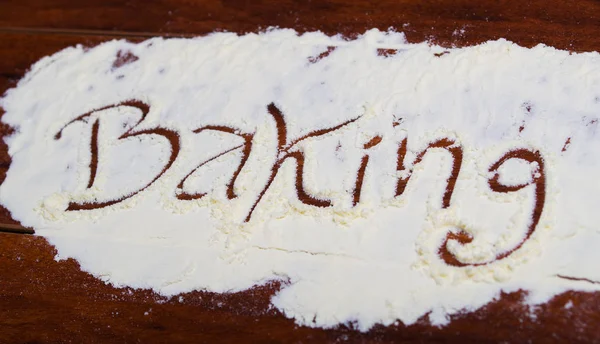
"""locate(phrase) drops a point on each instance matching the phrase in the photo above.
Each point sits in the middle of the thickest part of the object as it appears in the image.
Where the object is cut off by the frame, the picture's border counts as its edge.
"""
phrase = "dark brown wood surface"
(42, 300)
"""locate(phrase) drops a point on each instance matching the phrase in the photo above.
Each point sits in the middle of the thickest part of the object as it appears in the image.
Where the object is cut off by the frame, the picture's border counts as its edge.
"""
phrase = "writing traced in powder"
(380, 180)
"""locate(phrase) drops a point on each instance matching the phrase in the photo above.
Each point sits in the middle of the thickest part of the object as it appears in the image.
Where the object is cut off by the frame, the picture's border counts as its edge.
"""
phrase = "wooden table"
(42, 300)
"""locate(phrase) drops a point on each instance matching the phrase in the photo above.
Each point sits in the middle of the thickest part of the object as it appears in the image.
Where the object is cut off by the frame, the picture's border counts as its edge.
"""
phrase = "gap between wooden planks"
(15, 229)
(83, 32)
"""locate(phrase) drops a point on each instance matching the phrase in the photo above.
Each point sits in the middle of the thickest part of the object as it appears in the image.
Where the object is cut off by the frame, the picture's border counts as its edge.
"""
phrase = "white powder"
(375, 262)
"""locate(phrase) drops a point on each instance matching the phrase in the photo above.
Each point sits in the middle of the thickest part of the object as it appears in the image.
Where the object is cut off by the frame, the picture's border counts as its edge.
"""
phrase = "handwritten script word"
(285, 151)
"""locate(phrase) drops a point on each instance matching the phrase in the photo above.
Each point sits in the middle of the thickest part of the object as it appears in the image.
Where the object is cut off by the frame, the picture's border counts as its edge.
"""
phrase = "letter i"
(362, 169)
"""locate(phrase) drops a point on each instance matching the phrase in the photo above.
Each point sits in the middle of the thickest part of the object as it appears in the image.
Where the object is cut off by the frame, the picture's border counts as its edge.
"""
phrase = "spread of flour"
(167, 215)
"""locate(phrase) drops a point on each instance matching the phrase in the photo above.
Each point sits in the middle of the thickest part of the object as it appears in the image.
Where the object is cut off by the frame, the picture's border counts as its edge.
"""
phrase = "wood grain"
(43, 300)
(568, 24)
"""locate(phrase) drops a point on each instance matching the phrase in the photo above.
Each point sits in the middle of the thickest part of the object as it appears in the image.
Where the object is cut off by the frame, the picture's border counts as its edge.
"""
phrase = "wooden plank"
(42, 300)
(569, 24)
